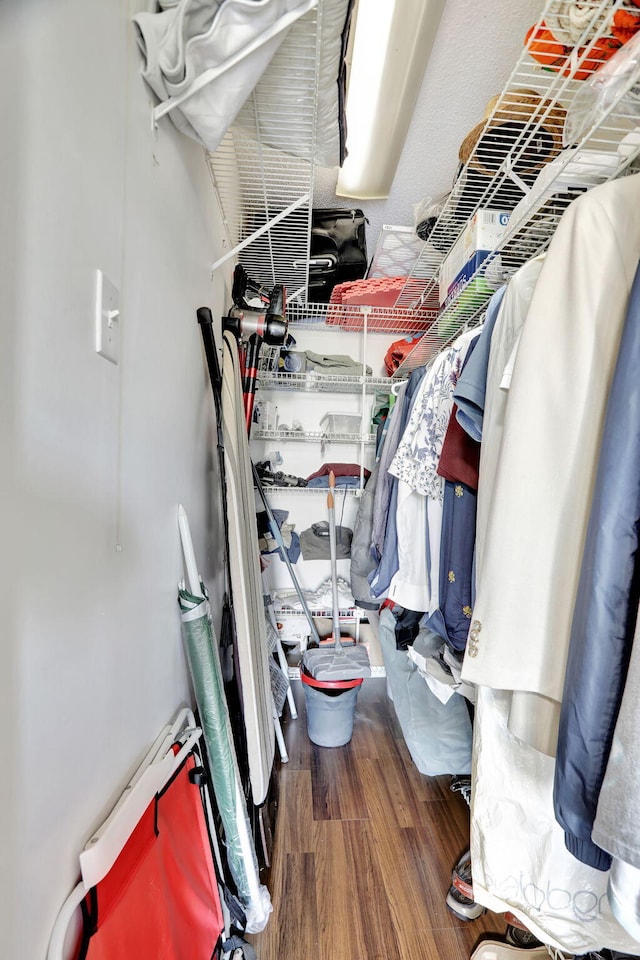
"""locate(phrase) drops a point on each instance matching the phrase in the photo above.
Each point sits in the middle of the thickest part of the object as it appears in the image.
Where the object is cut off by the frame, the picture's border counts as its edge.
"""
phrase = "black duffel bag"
(338, 250)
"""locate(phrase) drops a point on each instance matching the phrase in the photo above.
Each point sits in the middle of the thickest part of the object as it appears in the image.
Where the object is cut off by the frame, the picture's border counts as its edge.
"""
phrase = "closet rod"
(283, 23)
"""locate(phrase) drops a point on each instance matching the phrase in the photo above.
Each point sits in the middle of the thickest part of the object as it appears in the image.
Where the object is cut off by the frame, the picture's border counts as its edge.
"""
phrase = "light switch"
(107, 318)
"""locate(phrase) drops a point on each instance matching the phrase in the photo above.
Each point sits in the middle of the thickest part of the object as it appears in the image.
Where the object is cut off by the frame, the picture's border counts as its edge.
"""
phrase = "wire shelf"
(353, 317)
(504, 167)
(312, 382)
(263, 169)
(345, 614)
(310, 491)
(315, 436)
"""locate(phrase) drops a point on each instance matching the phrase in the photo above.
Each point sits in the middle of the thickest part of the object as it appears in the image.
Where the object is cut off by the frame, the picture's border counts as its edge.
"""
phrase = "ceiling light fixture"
(391, 47)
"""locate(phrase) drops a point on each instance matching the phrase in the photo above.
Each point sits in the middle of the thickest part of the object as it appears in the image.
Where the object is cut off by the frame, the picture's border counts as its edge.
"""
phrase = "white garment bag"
(561, 900)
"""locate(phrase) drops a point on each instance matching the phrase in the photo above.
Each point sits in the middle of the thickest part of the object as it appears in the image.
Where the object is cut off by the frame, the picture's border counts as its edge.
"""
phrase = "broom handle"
(334, 560)
(277, 536)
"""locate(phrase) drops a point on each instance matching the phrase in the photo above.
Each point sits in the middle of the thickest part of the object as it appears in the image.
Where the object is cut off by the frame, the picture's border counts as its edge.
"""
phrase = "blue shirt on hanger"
(471, 387)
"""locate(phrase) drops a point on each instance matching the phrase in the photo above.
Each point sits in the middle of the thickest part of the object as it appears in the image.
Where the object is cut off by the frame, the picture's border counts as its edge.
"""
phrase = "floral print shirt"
(418, 454)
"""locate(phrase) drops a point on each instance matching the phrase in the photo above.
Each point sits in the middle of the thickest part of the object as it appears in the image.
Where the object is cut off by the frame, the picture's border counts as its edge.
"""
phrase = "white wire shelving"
(263, 175)
(273, 488)
(352, 317)
(263, 170)
(311, 436)
(313, 382)
(346, 614)
(525, 126)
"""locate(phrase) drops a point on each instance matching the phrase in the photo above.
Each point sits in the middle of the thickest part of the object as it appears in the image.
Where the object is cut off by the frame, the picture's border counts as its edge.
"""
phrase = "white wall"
(92, 455)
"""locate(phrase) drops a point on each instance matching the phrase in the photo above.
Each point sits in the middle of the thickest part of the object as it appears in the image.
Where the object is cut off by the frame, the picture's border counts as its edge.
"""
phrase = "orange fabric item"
(544, 47)
(399, 351)
(625, 24)
(160, 899)
(554, 55)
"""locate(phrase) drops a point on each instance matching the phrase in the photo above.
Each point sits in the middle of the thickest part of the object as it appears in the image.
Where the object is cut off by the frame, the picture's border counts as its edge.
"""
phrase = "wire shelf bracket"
(266, 228)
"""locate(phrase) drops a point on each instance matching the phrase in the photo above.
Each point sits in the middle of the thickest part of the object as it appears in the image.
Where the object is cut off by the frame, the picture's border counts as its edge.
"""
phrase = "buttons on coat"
(472, 643)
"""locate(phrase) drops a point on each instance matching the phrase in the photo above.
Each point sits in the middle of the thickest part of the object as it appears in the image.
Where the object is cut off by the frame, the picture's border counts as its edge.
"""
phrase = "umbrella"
(206, 674)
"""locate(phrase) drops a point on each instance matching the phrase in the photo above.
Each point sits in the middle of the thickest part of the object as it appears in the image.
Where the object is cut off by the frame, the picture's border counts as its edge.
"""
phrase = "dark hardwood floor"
(363, 850)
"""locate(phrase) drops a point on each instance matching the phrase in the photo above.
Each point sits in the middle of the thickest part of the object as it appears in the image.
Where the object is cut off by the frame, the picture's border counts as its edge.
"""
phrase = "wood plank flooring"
(364, 846)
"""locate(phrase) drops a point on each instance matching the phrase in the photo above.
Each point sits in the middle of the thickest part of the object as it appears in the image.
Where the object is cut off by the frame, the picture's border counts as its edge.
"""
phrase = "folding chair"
(149, 889)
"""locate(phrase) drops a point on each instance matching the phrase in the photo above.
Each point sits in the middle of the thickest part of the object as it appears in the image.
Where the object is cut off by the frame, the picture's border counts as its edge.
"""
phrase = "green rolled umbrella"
(206, 675)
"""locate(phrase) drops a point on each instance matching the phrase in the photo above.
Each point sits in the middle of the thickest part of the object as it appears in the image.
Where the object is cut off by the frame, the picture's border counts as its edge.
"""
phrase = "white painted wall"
(92, 455)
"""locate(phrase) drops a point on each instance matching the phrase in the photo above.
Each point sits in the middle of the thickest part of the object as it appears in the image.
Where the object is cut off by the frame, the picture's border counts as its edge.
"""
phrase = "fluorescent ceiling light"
(391, 47)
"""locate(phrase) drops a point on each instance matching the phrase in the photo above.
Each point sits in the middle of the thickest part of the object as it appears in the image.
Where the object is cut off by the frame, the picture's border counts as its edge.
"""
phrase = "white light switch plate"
(107, 318)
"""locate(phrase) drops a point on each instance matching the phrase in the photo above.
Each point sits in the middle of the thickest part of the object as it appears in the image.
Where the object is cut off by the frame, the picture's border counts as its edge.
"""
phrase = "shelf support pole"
(365, 323)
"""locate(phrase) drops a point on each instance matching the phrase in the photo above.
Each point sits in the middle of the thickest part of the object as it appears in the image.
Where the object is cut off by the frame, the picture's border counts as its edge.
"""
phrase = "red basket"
(328, 684)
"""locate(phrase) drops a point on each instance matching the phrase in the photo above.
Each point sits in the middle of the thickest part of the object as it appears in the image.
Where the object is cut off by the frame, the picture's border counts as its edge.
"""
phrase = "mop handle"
(277, 536)
(334, 561)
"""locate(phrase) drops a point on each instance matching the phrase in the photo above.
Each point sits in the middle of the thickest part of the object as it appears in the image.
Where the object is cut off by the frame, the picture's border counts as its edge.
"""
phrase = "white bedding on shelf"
(182, 42)
(277, 98)
(188, 37)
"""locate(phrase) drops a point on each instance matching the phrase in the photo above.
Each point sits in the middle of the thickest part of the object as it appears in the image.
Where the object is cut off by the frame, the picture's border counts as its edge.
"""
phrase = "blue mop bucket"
(330, 706)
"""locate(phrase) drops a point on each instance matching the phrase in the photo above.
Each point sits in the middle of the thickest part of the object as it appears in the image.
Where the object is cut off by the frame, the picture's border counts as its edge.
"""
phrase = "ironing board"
(246, 580)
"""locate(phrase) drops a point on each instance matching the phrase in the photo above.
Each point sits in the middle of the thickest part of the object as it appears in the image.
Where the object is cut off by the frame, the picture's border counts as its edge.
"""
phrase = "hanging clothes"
(615, 828)
(460, 457)
(386, 537)
(459, 466)
(392, 434)
(437, 734)
(605, 608)
(520, 861)
(410, 584)
(362, 563)
(490, 407)
(421, 490)
(471, 388)
(416, 460)
(529, 565)
(452, 617)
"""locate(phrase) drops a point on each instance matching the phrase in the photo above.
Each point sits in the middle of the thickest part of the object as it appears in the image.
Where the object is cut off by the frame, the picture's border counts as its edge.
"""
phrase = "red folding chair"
(149, 889)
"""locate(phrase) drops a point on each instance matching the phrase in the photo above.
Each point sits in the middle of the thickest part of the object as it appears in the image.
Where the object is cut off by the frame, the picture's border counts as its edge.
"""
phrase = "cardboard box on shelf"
(482, 234)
